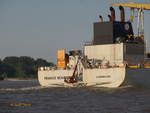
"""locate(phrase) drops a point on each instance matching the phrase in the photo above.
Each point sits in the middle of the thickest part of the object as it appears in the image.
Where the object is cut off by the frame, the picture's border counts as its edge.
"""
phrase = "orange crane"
(140, 8)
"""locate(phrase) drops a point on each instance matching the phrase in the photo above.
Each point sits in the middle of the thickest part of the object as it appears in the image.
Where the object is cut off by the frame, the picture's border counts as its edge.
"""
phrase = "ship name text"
(56, 77)
(103, 76)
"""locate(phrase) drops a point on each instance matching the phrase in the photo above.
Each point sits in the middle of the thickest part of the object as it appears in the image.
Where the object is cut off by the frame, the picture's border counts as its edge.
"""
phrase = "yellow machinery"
(141, 8)
(62, 59)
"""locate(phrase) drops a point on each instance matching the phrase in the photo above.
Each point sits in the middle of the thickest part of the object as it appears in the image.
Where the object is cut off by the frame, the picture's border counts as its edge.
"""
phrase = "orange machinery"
(62, 59)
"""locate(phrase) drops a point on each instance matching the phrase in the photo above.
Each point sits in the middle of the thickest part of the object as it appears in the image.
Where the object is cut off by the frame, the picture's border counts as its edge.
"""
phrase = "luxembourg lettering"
(103, 76)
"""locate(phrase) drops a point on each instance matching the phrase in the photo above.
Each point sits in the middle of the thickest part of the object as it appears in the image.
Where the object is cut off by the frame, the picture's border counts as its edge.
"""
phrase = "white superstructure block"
(113, 53)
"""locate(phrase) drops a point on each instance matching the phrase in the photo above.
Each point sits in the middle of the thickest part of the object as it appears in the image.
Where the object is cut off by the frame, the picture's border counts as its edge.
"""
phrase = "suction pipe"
(113, 16)
(122, 14)
(110, 19)
(101, 18)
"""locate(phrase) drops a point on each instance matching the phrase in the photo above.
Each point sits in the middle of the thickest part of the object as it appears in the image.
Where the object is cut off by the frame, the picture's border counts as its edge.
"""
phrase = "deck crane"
(140, 8)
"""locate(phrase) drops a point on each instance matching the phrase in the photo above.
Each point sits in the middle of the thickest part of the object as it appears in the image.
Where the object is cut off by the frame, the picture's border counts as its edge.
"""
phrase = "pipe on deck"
(101, 18)
(122, 14)
(110, 19)
(113, 16)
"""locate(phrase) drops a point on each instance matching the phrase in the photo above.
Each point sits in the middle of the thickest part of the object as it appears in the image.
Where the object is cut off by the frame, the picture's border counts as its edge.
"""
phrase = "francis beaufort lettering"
(56, 77)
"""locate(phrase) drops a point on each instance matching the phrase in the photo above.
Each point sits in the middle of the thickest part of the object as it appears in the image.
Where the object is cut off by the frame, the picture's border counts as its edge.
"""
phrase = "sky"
(37, 28)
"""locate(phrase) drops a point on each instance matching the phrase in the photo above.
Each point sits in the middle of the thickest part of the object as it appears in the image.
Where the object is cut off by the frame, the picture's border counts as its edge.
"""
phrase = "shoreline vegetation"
(21, 68)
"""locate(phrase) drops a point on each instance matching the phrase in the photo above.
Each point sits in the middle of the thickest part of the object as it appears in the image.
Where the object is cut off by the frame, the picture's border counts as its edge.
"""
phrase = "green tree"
(22, 67)
(41, 62)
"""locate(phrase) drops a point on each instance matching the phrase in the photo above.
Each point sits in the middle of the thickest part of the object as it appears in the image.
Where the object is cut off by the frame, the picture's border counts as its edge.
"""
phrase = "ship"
(115, 57)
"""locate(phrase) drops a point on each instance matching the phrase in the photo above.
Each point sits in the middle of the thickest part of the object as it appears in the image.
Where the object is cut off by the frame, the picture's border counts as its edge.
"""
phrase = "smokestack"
(113, 16)
(122, 14)
(101, 18)
(110, 19)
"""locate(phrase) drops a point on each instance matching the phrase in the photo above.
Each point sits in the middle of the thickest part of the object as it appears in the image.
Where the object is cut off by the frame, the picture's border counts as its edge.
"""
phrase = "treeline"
(21, 67)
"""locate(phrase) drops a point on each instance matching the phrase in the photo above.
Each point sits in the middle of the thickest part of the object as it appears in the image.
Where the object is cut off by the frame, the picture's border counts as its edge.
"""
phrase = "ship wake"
(23, 88)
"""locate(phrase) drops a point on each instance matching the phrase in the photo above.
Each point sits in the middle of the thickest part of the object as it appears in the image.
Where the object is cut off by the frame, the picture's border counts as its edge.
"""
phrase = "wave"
(22, 89)
(42, 87)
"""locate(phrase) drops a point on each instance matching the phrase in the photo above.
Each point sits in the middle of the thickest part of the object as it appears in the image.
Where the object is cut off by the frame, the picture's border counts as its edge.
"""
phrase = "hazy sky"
(37, 28)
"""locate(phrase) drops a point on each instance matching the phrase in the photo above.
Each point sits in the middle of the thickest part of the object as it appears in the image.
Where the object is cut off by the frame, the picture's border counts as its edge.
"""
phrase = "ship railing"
(87, 43)
(52, 68)
(46, 68)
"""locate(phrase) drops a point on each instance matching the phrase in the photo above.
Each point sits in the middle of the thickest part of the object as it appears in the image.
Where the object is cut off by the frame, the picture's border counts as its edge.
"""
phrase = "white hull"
(53, 78)
(109, 77)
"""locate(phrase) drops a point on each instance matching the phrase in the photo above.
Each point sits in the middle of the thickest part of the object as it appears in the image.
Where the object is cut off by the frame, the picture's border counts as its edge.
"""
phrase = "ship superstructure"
(114, 57)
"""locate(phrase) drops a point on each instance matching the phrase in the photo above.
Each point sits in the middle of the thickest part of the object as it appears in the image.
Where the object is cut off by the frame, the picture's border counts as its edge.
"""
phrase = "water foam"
(22, 89)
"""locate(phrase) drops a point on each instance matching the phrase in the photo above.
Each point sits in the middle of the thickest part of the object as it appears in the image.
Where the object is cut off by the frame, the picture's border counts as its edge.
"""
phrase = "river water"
(30, 97)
